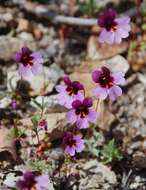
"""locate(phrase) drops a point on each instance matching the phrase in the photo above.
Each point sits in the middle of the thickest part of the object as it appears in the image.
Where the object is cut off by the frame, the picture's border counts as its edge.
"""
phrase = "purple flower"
(107, 83)
(30, 62)
(82, 113)
(31, 182)
(73, 143)
(69, 92)
(114, 29)
(13, 104)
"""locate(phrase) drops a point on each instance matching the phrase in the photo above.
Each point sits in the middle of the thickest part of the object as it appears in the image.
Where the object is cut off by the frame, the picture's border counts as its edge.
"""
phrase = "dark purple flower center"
(27, 60)
(72, 90)
(111, 25)
(107, 20)
(71, 142)
(72, 86)
(82, 111)
(105, 79)
(28, 182)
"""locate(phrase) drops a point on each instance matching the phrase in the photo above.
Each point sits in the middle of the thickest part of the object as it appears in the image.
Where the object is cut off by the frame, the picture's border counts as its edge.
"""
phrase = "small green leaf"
(35, 119)
(111, 152)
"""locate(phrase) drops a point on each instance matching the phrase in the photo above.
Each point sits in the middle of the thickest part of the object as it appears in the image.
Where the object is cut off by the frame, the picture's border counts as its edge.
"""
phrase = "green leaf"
(35, 119)
(111, 152)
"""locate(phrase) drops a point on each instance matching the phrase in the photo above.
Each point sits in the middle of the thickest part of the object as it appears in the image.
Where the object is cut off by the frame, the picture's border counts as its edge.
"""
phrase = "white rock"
(26, 36)
(118, 63)
(4, 102)
(10, 180)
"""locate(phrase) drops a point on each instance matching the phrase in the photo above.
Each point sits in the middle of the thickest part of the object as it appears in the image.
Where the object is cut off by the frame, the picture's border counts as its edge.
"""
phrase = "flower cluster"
(114, 29)
(81, 112)
(71, 94)
(31, 182)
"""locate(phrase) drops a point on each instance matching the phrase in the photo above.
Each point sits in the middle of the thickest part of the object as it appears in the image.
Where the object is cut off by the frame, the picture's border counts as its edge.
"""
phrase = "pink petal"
(123, 20)
(65, 100)
(60, 88)
(123, 23)
(68, 101)
(43, 181)
(92, 116)
(17, 57)
(100, 93)
(78, 137)
(117, 38)
(71, 116)
(122, 33)
(37, 68)
(80, 146)
(106, 36)
(95, 75)
(118, 78)
(82, 123)
(79, 96)
(114, 92)
(70, 150)
(24, 71)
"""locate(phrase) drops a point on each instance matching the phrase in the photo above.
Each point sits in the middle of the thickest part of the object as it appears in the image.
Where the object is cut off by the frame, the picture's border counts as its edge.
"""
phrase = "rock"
(142, 78)
(99, 175)
(106, 117)
(23, 25)
(137, 183)
(10, 180)
(56, 154)
(96, 167)
(5, 102)
(38, 34)
(139, 160)
(36, 85)
(118, 63)
(53, 48)
(26, 36)
(10, 45)
(7, 17)
(7, 145)
(47, 41)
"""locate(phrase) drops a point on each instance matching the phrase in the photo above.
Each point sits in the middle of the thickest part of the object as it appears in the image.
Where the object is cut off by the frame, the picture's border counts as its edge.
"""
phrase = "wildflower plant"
(81, 113)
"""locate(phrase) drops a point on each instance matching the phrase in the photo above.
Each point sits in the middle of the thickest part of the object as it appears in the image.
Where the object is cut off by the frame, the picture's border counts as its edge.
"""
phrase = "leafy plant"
(111, 152)
(39, 105)
(15, 133)
(39, 165)
(35, 119)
